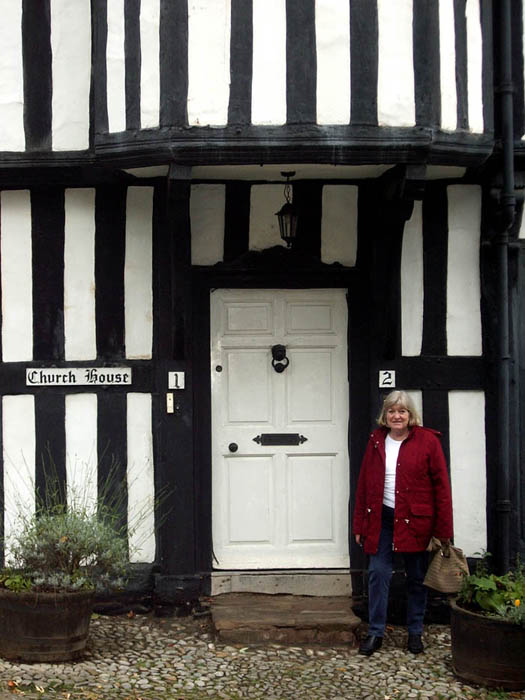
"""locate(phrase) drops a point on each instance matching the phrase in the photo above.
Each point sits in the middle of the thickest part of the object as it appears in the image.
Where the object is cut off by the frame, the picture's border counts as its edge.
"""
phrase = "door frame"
(319, 276)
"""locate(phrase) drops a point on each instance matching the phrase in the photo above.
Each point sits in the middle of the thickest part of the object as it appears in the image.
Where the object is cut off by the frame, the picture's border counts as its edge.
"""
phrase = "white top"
(392, 451)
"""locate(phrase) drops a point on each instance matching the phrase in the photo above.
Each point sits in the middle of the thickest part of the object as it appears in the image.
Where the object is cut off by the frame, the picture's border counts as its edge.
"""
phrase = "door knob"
(279, 360)
(233, 447)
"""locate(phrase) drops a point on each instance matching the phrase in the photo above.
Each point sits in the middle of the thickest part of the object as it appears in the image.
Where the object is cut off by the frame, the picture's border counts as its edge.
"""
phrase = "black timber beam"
(173, 432)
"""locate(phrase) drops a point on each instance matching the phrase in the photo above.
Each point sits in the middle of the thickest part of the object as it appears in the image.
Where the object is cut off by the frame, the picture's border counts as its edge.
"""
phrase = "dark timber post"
(175, 429)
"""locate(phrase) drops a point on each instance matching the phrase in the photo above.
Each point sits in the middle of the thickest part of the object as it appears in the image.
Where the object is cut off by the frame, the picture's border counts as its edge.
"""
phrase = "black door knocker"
(279, 360)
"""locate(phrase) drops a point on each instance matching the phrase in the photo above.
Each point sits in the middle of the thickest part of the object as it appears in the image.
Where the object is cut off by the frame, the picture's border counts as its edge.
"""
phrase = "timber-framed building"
(147, 294)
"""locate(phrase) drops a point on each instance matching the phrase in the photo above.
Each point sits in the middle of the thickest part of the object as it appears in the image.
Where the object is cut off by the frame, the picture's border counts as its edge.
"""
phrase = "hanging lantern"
(287, 214)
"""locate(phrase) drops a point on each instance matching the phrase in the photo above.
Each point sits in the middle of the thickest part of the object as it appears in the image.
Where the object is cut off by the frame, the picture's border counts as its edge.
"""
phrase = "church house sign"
(78, 376)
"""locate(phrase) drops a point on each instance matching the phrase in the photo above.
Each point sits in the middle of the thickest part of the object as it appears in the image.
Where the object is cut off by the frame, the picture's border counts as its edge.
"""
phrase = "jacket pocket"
(421, 509)
(420, 520)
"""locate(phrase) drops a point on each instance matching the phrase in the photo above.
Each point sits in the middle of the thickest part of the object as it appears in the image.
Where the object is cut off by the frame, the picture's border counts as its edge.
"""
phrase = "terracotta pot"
(44, 626)
(487, 650)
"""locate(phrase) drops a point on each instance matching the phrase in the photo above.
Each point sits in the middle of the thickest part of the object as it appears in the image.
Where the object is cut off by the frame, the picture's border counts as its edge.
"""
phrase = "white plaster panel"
(79, 275)
(521, 233)
(207, 209)
(138, 273)
(395, 79)
(81, 451)
(71, 69)
(208, 62)
(269, 62)
(474, 67)
(19, 448)
(12, 136)
(265, 201)
(447, 59)
(141, 488)
(116, 67)
(16, 270)
(149, 63)
(339, 224)
(412, 284)
(443, 172)
(468, 469)
(332, 35)
(463, 276)
(417, 398)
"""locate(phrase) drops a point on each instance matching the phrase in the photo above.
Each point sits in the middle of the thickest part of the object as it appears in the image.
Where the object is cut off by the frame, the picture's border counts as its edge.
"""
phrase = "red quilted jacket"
(423, 502)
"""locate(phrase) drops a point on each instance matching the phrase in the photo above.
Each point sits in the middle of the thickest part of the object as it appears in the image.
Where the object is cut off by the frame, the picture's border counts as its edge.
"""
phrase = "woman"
(403, 499)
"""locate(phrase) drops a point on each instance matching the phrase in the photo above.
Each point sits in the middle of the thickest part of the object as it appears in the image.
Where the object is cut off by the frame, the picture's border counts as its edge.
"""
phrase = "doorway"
(280, 464)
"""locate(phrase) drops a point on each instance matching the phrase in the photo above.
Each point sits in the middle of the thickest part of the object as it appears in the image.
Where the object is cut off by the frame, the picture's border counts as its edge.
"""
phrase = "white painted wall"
(412, 292)
(17, 275)
(417, 398)
(208, 62)
(71, 71)
(395, 79)
(81, 451)
(332, 35)
(116, 67)
(474, 67)
(19, 448)
(12, 136)
(265, 201)
(468, 469)
(463, 275)
(207, 209)
(339, 224)
(521, 233)
(149, 63)
(138, 273)
(269, 62)
(79, 275)
(447, 57)
(141, 488)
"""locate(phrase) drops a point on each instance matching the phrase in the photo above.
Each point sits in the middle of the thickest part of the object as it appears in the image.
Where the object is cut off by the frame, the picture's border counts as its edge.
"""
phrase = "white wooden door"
(279, 506)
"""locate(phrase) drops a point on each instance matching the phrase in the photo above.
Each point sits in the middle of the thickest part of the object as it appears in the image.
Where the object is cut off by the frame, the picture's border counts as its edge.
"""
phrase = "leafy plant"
(70, 542)
(501, 596)
(66, 549)
(15, 582)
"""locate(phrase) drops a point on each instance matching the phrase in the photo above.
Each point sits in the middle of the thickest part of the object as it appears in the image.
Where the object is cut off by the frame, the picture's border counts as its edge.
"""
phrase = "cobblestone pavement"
(178, 658)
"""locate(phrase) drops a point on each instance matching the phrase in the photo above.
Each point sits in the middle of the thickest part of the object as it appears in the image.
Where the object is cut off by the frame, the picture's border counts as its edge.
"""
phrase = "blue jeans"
(380, 574)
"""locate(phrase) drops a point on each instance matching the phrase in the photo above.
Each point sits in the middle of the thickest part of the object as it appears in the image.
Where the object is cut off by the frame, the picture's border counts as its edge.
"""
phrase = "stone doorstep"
(254, 618)
(318, 582)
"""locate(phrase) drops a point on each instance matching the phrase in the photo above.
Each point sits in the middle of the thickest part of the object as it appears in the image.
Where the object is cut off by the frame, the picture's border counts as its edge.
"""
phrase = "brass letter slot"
(280, 439)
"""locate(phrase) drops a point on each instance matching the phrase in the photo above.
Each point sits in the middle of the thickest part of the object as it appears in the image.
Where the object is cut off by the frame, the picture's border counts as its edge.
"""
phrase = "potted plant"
(57, 560)
(488, 628)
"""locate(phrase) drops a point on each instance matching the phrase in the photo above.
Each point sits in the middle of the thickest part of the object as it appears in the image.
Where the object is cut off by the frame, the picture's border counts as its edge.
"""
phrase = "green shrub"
(501, 596)
(66, 549)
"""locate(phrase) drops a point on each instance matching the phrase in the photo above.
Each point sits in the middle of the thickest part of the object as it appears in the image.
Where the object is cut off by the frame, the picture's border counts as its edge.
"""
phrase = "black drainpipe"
(508, 207)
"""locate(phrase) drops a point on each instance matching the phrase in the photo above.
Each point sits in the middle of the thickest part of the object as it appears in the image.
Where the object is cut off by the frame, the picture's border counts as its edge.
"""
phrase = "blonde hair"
(399, 398)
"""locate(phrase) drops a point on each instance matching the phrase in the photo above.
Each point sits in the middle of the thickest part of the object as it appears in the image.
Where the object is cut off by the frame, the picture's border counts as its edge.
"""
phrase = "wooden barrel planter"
(487, 650)
(44, 627)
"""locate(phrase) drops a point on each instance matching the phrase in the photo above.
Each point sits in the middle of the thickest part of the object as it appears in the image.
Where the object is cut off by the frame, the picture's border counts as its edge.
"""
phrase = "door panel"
(249, 387)
(249, 495)
(311, 498)
(279, 506)
(310, 389)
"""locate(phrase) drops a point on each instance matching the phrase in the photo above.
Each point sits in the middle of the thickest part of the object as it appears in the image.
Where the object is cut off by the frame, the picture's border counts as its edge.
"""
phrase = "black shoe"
(415, 645)
(370, 644)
